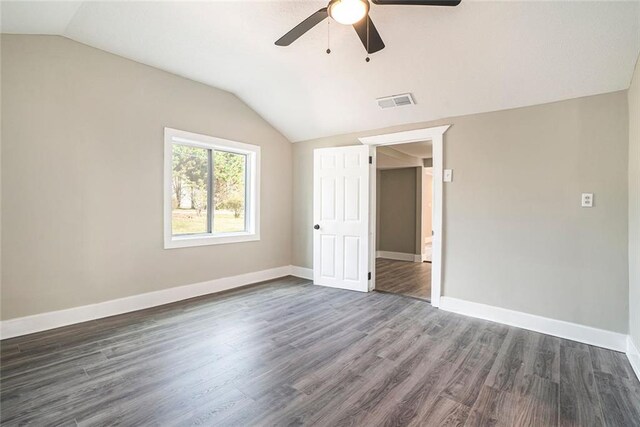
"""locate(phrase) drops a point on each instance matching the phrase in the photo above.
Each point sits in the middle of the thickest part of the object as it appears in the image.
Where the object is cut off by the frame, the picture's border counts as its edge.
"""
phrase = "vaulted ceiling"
(477, 57)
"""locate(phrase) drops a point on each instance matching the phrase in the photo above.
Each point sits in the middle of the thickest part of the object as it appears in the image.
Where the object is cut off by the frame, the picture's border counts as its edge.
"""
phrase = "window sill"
(204, 240)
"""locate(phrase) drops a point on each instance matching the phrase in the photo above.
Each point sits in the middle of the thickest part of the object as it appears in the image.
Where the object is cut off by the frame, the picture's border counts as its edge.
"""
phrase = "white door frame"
(436, 136)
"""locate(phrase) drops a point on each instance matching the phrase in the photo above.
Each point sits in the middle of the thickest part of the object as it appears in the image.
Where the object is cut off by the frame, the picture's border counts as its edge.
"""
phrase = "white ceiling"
(477, 57)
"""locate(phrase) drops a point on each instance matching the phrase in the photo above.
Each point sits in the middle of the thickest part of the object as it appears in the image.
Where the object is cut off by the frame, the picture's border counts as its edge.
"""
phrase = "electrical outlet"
(587, 200)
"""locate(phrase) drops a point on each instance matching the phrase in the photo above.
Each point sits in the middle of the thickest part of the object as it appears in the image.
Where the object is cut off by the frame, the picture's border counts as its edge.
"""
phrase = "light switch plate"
(587, 200)
(447, 176)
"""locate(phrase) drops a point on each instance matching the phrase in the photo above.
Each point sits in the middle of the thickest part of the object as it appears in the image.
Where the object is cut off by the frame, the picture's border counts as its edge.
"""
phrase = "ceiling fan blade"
(303, 27)
(375, 42)
(418, 2)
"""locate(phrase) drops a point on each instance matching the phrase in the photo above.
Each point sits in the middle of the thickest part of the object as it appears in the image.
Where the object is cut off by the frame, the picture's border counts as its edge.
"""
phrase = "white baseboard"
(55, 319)
(303, 272)
(633, 354)
(559, 328)
(399, 256)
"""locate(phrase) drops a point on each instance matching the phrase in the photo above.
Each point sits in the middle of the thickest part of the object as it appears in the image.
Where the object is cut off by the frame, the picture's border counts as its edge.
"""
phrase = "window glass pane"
(229, 182)
(189, 199)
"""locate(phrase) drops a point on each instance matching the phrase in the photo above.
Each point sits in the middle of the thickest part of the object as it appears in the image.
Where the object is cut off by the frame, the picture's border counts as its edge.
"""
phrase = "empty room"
(360, 212)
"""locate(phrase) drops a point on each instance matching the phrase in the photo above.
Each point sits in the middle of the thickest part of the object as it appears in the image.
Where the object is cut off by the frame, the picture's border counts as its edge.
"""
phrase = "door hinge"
(369, 276)
(370, 160)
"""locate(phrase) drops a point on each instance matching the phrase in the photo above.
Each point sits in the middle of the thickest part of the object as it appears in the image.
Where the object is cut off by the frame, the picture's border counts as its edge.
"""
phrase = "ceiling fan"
(356, 13)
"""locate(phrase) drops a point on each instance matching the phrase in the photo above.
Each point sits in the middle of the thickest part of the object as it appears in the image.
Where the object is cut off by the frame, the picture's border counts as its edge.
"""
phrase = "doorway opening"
(345, 211)
(404, 201)
(436, 136)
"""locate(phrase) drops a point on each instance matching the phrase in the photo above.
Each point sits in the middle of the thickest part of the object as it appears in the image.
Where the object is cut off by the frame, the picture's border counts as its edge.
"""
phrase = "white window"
(211, 190)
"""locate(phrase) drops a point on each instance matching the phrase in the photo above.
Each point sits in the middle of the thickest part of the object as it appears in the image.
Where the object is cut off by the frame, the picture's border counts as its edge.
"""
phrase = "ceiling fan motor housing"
(348, 12)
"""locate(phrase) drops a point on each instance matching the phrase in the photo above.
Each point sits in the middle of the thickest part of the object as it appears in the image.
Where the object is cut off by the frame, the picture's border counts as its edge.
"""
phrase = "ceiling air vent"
(395, 101)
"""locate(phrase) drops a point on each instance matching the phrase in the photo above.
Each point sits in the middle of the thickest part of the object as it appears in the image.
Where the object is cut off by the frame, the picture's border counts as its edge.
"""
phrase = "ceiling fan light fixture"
(348, 12)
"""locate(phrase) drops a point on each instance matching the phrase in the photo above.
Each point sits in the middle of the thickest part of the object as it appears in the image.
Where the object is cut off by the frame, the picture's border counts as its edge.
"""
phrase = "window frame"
(252, 190)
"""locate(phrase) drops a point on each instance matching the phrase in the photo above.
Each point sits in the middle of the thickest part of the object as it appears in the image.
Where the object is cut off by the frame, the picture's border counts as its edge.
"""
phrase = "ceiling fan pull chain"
(367, 58)
(328, 36)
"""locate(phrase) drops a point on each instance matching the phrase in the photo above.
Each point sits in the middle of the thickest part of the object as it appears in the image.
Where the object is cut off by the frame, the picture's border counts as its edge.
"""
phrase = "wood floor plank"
(287, 352)
(492, 408)
(446, 412)
(579, 400)
(357, 406)
(542, 357)
(414, 397)
(611, 362)
(364, 354)
(536, 402)
(416, 403)
(470, 374)
(320, 405)
(404, 277)
(272, 403)
(7, 349)
(620, 400)
(509, 363)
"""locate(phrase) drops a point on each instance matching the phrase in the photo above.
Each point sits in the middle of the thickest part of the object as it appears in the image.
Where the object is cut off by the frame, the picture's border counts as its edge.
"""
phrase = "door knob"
(316, 227)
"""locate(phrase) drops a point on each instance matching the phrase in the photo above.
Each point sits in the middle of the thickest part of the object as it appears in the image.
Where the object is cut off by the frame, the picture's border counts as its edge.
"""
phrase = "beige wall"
(634, 207)
(418, 242)
(515, 235)
(427, 205)
(82, 172)
(397, 210)
(377, 211)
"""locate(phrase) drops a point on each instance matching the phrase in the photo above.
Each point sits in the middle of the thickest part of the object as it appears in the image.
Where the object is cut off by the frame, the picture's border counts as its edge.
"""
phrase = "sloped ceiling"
(421, 150)
(403, 155)
(477, 57)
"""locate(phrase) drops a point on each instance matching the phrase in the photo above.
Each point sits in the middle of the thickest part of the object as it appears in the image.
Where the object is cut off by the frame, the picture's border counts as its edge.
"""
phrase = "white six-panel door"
(341, 217)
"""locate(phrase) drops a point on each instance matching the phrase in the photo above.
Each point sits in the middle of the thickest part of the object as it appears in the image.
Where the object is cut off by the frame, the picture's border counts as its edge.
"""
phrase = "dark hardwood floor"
(290, 353)
(404, 277)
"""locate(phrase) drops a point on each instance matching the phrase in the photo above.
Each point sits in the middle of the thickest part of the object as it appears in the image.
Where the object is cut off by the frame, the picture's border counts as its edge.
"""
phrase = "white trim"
(373, 203)
(633, 354)
(417, 135)
(559, 328)
(302, 272)
(436, 136)
(55, 319)
(209, 239)
(399, 256)
(172, 136)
